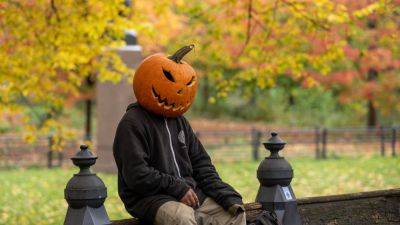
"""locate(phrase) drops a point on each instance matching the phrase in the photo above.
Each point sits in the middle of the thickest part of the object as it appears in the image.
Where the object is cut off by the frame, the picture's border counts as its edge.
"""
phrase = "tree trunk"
(88, 122)
(205, 94)
(88, 110)
(291, 99)
(371, 116)
(372, 119)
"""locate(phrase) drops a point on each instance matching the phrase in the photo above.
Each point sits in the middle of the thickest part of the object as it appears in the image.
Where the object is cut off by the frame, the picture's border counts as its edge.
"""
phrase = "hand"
(190, 199)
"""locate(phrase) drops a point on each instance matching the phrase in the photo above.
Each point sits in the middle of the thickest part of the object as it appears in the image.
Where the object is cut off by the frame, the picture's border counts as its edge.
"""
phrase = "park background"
(323, 74)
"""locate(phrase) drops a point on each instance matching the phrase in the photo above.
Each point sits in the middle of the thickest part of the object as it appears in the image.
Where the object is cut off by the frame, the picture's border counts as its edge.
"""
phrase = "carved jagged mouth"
(164, 102)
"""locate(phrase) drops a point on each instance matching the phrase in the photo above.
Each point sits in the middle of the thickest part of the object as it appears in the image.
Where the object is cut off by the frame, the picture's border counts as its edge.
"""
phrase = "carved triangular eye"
(190, 82)
(168, 75)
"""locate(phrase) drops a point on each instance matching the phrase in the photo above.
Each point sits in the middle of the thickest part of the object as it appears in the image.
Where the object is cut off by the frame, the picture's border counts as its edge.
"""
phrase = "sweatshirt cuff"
(179, 190)
(236, 209)
(230, 201)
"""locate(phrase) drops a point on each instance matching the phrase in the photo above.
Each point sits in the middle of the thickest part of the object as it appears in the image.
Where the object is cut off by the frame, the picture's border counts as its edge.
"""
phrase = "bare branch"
(248, 31)
(55, 10)
(305, 16)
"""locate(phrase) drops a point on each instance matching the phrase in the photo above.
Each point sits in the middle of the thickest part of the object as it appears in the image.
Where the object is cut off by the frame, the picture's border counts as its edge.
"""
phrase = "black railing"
(319, 140)
(228, 145)
(14, 151)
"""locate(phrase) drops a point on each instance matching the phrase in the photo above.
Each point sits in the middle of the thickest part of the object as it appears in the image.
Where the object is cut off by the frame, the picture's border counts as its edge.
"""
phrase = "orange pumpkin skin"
(165, 87)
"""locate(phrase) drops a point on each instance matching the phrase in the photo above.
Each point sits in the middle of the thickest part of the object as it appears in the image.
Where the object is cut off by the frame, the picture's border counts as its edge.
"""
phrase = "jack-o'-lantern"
(166, 85)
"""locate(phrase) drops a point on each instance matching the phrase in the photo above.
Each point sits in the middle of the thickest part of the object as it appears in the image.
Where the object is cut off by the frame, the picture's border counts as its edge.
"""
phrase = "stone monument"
(111, 102)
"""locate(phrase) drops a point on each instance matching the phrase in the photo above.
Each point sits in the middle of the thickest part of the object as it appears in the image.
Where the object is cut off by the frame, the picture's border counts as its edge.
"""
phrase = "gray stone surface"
(112, 100)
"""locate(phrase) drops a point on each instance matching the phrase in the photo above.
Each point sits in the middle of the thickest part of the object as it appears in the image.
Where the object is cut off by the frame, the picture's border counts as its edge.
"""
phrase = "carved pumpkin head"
(164, 85)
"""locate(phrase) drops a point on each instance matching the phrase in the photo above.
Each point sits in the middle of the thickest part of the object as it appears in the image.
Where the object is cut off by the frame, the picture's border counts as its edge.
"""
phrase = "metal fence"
(320, 143)
(230, 145)
(14, 151)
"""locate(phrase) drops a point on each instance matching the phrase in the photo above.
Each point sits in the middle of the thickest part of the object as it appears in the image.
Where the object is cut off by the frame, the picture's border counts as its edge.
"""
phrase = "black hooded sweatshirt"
(159, 159)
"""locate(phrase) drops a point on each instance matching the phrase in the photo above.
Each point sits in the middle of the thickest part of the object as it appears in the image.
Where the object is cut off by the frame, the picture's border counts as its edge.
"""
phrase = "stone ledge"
(375, 207)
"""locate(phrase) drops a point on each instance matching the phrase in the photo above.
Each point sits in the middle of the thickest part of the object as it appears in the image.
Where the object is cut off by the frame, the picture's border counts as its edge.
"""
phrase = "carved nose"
(180, 91)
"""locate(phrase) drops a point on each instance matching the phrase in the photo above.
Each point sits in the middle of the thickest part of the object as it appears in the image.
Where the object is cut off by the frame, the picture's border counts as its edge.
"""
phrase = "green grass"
(35, 196)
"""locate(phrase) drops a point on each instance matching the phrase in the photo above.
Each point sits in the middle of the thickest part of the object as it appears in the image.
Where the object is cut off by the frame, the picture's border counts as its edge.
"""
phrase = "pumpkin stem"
(178, 55)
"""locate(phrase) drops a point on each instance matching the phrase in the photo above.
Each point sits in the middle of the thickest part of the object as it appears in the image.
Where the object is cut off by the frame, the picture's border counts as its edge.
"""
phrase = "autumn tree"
(348, 46)
(248, 44)
(50, 48)
(369, 72)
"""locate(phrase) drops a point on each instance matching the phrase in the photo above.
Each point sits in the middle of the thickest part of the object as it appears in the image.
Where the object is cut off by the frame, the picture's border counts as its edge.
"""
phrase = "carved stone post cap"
(274, 170)
(274, 145)
(85, 188)
(84, 158)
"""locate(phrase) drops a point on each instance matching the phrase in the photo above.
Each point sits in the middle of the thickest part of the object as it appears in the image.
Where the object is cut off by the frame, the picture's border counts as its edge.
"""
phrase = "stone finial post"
(85, 193)
(275, 193)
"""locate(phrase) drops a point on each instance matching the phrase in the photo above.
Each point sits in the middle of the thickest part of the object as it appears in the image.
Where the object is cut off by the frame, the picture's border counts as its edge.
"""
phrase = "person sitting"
(165, 176)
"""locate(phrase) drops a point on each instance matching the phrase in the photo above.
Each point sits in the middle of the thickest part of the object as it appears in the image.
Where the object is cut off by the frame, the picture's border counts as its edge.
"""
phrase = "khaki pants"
(209, 213)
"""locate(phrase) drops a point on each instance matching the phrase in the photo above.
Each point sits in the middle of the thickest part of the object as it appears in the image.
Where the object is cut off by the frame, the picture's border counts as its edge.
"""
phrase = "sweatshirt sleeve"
(131, 149)
(206, 175)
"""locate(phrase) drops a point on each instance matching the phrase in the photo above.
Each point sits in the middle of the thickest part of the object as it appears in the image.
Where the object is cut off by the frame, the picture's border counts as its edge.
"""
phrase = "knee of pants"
(186, 219)
(241, 218)
(175, 213)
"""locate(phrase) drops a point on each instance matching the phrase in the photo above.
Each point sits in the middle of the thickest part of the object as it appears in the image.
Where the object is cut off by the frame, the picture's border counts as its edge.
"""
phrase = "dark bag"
(264, 218)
